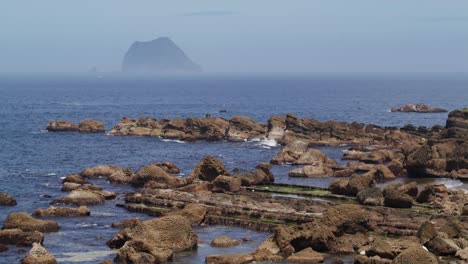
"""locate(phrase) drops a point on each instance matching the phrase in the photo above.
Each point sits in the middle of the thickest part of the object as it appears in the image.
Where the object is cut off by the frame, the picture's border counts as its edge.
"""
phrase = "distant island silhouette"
(161, 55)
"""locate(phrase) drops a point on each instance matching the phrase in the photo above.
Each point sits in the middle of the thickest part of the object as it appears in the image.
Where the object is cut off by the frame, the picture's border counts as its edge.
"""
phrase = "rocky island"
(161, 55)
(418, 108)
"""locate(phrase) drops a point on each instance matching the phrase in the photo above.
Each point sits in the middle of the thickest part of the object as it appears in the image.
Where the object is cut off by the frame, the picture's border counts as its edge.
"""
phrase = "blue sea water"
(32, 161)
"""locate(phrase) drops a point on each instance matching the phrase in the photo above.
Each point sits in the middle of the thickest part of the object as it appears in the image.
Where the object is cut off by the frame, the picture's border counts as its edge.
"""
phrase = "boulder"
(62, 212)
(229, 259)
(91, 126)
(382, 172)
(195, 213)
(6, 200)
(426, 232)
(127, 223)
(418, 108)
(100, 171)
(316, 235)
(410, 188)
(442, 246)
(208, 169)
(307, 255)
(242, 128)
(415, 255)
(70, 186)
(267, 251)
(339, 186)
(225, 241)
(396, 199)
(312, 171)
(62, 126)
(290, 153)
(81, 197)
(155, 239)
(38, 255)
(382, 249)
(19, 237)
(156, 174)
(261, 175)
(397, 168)
(377, 157)
(431, 192)
(362, 259)
(226, 184)
(370, 196)
(457, 123)
(208, 128)
(74, 178)
(122, 176)
(346, 172)
(26, 222)
(462, 254)
(358, 183)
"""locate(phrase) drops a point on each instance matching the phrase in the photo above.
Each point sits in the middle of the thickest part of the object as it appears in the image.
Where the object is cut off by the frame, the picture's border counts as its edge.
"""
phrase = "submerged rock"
(38, 255)
(6, 200)
(26, 222)
(418, 108)
(62, 212)
(224, 241)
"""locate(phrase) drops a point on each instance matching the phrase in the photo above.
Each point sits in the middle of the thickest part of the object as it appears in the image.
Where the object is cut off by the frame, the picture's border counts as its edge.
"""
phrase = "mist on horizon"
(239, 36)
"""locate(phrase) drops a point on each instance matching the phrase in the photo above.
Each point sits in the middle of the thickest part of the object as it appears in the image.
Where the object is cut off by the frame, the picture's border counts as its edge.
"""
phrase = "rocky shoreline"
(398, 223)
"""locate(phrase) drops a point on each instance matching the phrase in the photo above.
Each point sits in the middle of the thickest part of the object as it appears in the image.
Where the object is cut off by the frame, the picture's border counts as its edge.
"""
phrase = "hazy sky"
(240, 35)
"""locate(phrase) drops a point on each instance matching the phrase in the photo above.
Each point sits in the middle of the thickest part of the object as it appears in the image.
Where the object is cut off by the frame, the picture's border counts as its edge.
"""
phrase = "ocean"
(33, 162)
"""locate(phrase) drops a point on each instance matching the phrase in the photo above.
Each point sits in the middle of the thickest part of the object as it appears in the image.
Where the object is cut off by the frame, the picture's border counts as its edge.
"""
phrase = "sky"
(239, 36)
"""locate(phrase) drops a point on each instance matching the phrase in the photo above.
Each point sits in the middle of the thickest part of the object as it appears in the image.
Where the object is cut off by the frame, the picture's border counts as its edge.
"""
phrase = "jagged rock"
(122, 176)
(226, 184)
(38, 255)
(6, 200)
(161, 55)
(208, 169)
(339, 186)
(410, 189)
(418, 108)
(229, 259)
(242, 128)
(81, 197)
(382, 249)
(261, 175)
(62, 126)
(426, 232)
(155, 239)
(91, 126)
(19, 237)
(62, 212)
(415, 255)
(224, 241)
(127, 223)
(370, 196)
(307, 255)
(158, 175)
(26, 222)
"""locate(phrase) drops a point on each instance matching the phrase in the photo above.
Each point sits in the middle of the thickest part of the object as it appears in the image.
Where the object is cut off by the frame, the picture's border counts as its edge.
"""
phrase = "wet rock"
(62, 126)
(127, 223)
(155, 239)
(382, 249)
(38, 255)
(307, 255)
(229, 259)
(339, 186)
(242, 128)
(370, 196)
(62, 212)
(226, 184)
(396, 199)
(426, 232)
(91, 126)
(19, 237)
(156, 174)
(225, 241)
(337, 260)
(208, 169)
(415, 255)
(81, 197)
(418, 108)
(442, 246)
(26, 222)
(6, 200)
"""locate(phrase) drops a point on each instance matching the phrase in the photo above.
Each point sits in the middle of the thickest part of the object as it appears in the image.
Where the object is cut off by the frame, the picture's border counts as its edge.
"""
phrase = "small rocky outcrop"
(298, 153)
(242, 128)
(26, 222)
(225, 241)
(62, 212)
(208, 169)
(6, 200)
(155, 240)
(85, 126)
(38, 255)
(100, 171)
(19, 237)
(82, 197)
(158, 177)
(261, 175)
(307, 255)
(418, 108)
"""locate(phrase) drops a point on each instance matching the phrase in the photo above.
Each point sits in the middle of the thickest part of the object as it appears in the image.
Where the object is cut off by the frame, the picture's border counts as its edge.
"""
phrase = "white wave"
(450, 183)
(51, 174)
(63, 177)
(265, 142)
(84, 256)
(173, 140)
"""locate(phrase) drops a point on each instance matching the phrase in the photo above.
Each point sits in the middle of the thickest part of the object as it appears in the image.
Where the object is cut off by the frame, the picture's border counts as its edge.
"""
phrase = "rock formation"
(418, 108)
